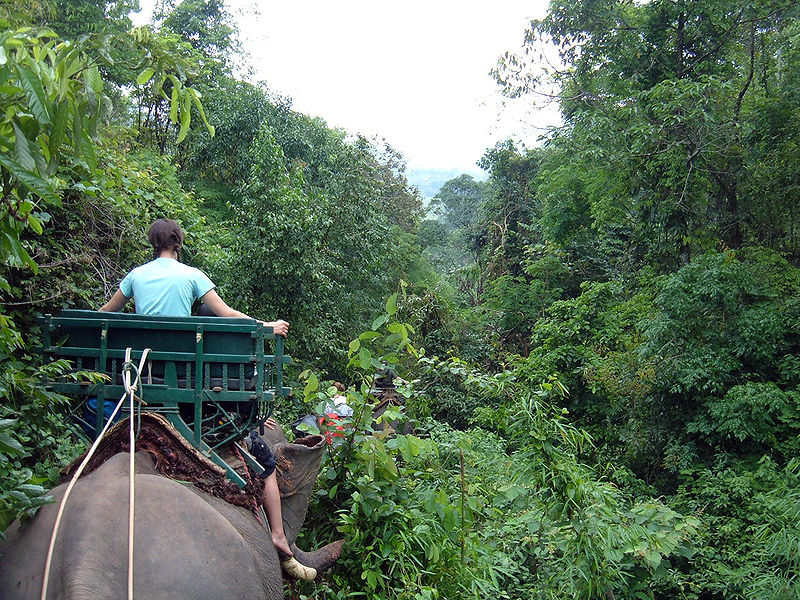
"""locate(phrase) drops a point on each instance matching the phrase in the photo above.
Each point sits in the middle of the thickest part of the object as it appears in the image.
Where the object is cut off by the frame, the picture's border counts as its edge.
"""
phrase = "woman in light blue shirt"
(166, 287)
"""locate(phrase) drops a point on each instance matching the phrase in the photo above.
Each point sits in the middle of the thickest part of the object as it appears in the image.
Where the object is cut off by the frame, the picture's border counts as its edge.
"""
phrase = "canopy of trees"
(599, 343)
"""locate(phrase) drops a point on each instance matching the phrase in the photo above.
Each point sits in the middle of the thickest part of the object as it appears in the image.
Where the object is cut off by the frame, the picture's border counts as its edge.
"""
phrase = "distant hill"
(429, 181)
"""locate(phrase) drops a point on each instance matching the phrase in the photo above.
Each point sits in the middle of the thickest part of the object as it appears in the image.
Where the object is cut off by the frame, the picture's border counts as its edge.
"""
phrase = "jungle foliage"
(597, 346)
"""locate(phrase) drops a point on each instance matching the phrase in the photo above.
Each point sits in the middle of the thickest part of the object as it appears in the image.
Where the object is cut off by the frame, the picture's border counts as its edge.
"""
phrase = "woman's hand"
(279, 327)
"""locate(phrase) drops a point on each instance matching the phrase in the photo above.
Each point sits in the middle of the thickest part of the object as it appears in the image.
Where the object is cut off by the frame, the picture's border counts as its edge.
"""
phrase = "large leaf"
(174, 100)
(391, 304)
(37, 100)
(10, 445)
(31, 181)
(93, 80)
(58, 134)
(12, 252)
(22, 150)
(199, 106)
(104, 49)
(186, 117)
(87, 149)
(145, 76)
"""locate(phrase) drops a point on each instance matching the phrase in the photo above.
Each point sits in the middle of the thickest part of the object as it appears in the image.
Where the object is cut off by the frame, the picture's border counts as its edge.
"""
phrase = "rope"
(130, 390)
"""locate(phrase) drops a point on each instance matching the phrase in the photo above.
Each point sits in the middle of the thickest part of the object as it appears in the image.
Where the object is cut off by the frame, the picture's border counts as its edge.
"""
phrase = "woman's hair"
(165, 234)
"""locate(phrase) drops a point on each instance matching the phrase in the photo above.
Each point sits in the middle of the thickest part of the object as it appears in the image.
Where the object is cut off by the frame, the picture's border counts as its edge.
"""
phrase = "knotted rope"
(130, 391)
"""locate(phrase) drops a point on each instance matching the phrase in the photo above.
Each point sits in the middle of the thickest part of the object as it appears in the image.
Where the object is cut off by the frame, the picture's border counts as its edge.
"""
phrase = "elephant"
(188, 543)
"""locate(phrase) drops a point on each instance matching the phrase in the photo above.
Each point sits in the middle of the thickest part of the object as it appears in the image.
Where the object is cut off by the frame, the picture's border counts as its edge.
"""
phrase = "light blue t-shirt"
(164, 287)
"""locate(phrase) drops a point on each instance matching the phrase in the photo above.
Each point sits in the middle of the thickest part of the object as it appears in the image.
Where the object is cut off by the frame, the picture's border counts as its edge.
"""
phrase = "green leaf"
(413, 444)
(199, 106)
(364, 358)
(22, 150)
(35, 224)
(379, 321)
(391, 305)
(31, 181)
(354, 346)
(173, 104)
(145, 76)
(311, 385)
(31, 490)
(34, 92)
(20, 497)
(87, 149)
(93, 80)
(186, 117)
(58, 133)
(372, 579)
(14, 250)
(9, 445)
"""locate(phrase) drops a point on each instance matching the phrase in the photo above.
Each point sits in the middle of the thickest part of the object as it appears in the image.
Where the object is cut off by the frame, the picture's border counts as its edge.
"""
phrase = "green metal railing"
(214, 379)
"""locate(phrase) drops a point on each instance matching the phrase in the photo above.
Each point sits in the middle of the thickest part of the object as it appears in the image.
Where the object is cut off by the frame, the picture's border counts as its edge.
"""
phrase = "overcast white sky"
(413, 72)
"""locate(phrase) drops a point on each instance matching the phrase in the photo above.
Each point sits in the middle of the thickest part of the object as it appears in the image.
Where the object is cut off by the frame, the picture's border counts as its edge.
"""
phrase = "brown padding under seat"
(172, 456)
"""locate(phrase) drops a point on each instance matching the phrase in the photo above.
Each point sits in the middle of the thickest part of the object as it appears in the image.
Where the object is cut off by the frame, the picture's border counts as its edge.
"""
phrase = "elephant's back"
(184, 547)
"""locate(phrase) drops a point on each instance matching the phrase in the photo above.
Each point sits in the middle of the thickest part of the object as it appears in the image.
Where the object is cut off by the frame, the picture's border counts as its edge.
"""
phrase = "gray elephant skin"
(188, 544)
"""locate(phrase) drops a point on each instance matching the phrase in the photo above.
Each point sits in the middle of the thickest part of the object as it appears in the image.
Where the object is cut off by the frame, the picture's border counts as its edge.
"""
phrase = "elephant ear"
(272, 437)
(296, 468)
(298, 463)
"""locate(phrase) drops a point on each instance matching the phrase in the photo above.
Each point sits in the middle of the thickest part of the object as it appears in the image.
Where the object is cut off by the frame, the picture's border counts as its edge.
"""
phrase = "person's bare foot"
(281, 545)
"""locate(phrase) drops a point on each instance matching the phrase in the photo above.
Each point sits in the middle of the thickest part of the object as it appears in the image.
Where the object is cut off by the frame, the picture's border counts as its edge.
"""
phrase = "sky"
(415, 73)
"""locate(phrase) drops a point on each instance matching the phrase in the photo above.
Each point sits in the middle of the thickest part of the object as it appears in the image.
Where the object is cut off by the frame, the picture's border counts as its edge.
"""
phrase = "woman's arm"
(218, 307)
(117, 302)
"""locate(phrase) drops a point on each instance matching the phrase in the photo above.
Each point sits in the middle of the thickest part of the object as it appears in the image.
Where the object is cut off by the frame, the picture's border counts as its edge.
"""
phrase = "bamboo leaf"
(35, 94)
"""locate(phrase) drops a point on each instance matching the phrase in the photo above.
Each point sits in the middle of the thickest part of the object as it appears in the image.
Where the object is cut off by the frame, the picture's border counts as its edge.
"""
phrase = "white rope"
(130, 390)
